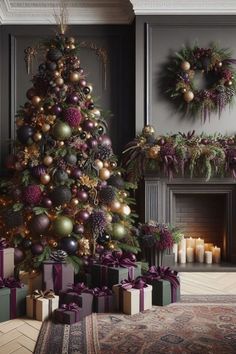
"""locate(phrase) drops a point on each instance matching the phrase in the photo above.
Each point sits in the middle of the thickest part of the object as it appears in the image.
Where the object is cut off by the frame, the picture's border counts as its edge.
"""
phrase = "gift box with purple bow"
(102, 299)
(57, 275)
(18, 292)
(132, 296)
(6, 259)
(166, 285)
(4, 302)
(77, 294)
(68, 313)
(41, 304)
(113, 268)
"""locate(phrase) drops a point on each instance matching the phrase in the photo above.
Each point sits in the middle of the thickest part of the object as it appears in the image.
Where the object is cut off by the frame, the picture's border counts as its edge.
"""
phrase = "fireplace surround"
(178, 201)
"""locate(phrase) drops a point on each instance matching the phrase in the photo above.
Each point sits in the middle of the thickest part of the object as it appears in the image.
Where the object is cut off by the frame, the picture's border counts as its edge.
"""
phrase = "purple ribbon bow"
(116, 259)
(3, 243)
(138, 283)
(2, 285)
(104, 291)
(70, 307)
(11, 283)
(78, 288)
(165, 273)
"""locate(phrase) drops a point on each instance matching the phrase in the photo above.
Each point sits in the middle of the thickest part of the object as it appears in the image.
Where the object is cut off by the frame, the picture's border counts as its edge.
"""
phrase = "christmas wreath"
(219, 81)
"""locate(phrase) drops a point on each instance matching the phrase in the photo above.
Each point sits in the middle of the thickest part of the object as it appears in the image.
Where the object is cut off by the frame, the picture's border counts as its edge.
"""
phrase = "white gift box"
(132, 299)
(41, 308)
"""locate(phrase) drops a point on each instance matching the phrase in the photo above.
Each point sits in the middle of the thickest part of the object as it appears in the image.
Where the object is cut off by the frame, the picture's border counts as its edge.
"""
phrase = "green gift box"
(103, 275)
(161, 293)
(4, 304)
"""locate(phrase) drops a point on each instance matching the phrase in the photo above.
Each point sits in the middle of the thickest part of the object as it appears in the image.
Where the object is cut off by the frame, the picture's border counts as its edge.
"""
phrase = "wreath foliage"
(220, 84)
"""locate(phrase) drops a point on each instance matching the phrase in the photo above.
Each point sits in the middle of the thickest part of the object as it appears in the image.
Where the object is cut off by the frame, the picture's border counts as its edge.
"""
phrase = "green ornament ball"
(62, 226)
(62, 130)
(118, 231)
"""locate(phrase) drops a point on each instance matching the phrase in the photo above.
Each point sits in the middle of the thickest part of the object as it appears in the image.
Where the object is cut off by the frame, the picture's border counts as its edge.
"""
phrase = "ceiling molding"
(79, 11)
(184, 7)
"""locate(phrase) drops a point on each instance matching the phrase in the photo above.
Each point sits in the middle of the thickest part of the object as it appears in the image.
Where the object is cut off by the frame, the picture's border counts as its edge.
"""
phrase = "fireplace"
(201, 209)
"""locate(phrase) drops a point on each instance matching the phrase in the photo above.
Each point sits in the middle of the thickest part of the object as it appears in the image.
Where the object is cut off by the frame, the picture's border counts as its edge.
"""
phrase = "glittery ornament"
(72, 116)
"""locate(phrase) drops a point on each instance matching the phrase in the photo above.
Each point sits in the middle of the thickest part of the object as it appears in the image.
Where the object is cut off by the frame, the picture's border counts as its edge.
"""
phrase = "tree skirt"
(182, 328)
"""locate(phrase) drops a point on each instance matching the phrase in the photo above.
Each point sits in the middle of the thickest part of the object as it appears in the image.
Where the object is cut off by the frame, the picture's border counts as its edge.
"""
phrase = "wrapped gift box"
(4, 304)
(132, 301)
(57, 275)
(68, 313)
(166, 285)
(102, 304)
(103, 275)
(18, 301)
(6, 262)
(33, 280)
(41, 308)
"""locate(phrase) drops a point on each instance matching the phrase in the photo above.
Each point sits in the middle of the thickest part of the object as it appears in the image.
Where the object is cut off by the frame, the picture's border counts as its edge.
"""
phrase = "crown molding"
(79, 11)
(184, 7)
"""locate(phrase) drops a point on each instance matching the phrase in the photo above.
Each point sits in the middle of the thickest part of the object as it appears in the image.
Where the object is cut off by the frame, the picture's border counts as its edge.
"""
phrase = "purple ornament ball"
(18, 255)
(73, 98)
(37, 249)
(78, 229)
(69, 244)
(56, 110)
(82, 195)
(39, 224)
(47, 203)
(99, 249)
(88, 125)
(105, 140)
(82, 215)
(76, 173)
(92, 143)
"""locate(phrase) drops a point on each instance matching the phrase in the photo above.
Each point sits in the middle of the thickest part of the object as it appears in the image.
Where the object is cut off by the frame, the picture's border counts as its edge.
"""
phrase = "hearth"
(201, 209)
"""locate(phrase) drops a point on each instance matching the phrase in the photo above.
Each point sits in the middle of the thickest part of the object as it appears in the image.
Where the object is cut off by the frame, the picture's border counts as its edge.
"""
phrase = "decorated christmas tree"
(65, 192)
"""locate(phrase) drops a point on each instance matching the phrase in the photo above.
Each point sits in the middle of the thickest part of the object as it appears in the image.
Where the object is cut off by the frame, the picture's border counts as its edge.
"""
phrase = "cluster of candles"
(196, 250)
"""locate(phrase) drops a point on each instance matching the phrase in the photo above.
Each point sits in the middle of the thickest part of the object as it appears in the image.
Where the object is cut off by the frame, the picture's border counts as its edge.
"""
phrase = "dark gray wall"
(156, 38)
(118, 98)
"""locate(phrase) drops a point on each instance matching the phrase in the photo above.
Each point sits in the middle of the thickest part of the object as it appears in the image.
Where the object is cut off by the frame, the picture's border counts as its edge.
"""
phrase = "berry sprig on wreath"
(216, 65)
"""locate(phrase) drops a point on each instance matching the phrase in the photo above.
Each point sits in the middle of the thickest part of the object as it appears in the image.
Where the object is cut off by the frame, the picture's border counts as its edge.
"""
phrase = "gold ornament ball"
(96, 112)
(53, 243)
(61, 143)
(37, 136)
(111, 245)
(113, 164)
(125, 209)
(36, 100)
(229, 83)
(19, 122)
(148, 130)
(74, 76)
(188, 96)
(115, 206)
(45, 179)
(105, 164)
(48, 160)
(98, 164)
(184, 90)
(185, 65)
(109, 218)
(71, 40)
(90, 86)
(74, 202)
(71, 46)
(154, 151)
(46, 127)
(56, 74)
(59, 81)
(104, 174)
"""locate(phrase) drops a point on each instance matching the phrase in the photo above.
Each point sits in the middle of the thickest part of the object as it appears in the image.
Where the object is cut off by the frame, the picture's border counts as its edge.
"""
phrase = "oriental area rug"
(197, 324)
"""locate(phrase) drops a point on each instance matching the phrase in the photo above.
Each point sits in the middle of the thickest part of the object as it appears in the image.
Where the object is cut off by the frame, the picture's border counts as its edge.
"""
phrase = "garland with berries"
(180, 155)
(216, 66)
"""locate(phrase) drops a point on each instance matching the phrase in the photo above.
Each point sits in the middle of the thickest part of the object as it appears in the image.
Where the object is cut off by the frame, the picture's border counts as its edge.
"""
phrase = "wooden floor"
(19, 336)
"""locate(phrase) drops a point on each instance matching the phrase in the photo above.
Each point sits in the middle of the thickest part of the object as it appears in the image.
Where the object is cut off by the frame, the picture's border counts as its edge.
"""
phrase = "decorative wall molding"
(184, 7)
(79, 11)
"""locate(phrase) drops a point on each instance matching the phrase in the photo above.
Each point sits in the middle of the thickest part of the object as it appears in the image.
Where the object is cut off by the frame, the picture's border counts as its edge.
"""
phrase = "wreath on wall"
(219, 80)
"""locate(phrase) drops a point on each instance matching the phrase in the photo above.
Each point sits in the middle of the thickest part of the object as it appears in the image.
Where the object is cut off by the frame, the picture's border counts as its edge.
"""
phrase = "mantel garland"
(216, 65)
(181, 154)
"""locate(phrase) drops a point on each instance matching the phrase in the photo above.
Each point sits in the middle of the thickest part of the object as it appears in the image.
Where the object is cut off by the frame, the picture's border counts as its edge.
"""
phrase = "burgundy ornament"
(82, 215)
(78, 229)
(88, 125)
(92, 143)
(82, 195)
(47, 203)
(91, 105)
(84, 146)
(72, 116)
(76, 173)
(73, 98)
(39, 224)
(37, 249)
(18, 255)
(105, 140)
(32, 194)
(68, 244)
(56, 110)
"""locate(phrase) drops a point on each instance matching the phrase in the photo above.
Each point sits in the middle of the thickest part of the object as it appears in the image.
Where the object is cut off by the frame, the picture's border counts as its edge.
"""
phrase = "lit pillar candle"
(175, 251)
(208, 246)
(200, 253)
(216, 254)
(208, 257)
(190, 242)
(199, 241)
(182, 250)
(190, 254)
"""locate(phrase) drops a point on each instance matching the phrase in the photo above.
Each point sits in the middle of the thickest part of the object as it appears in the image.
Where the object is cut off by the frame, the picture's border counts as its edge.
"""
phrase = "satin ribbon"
(57, 276)
(78, 288)
(3, 244)
(117, 260)
(72, 307)
(165, 273)
(39, 294)
(13, 284)
(101, 292)
(138, 283)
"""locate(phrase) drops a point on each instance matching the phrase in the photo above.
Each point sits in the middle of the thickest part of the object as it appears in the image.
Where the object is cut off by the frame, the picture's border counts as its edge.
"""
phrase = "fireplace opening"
(203, 216)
